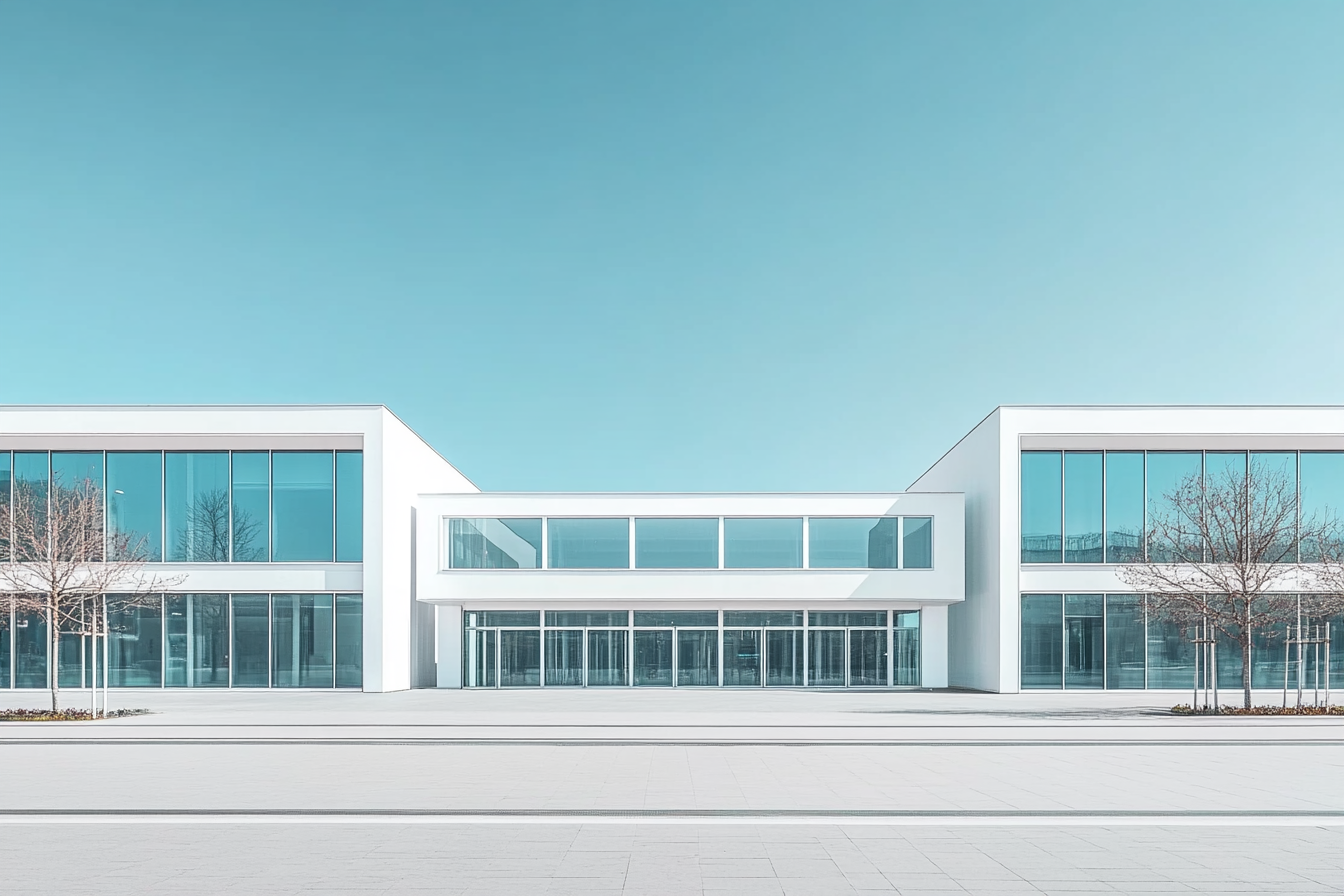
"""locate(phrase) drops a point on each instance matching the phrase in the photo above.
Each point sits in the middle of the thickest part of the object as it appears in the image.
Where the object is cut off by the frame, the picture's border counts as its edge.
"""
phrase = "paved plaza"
(669, 793)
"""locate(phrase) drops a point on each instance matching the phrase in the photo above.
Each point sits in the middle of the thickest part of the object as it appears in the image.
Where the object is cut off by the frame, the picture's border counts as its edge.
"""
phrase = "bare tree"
(62, 562)
(1225, 551)
(205, 532)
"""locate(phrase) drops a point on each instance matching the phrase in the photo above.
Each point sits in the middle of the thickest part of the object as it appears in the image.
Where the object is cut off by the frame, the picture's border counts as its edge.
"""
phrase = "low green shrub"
(64, 715)
(1184, 709)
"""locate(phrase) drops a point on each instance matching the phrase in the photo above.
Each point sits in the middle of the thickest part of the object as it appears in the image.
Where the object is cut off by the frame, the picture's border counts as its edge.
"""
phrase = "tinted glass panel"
(1322, 501)
(251, 640)
(763, 543)
(607, 658)
(75, 469)
(783, 658)
(697, 658)
(494, 543)
(6, 646)
(905, 648)
(582, 618)
(135, 643)
(1085, 638)
(677, 543)
(1274, 473)
(1171, 656)
(742, 658)
(917, 542)
(196, 500)
(675, 617)
(867, 659)
(31, 470)
(251, 506)
(1042, 501)
(6, 492)
(589, 543)
(519, 659)
(196, 629)
(135, 504)
(302, 496)
(302, 632)
(1082, 507)
(758, 618)
(479, 659)
(1168, 473)
(852, 543)
(653, 658)
(349, 506)
(871, 618)
(1225, 476)
(493, 618)
(826, 659)
(1124, 506)
(1042, 641)
(30, 650)
(564, 658)
(1124, 641)
(349, 640)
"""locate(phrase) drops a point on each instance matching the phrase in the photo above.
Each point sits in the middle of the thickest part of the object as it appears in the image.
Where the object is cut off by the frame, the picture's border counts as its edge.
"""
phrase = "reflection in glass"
(867, 658)
(349, 506)
(519, 658)
(1082, 507)
(75, 469)
(653, 658)
(676, 543)
(1042, 641)
(196, 627)
(1322, 474)
(1124, 506)
(1225, 474)
(917, 542)
(349, 640)
(1270, 470)
(135, 643)
(783, 658)
(1168, 473)
(1125, 658)
(826, 659)
(750, 543)
(135, 504)
(251, 641)
(478, 658)
(905, 643)
(1042, 499)
(302, 498)
(1171, 656)
(852, 542)
(31, 472)
(606, 659)
(30, 650)
(251, 476)
(697, 658)
(589, 543)
(196, 499)
(742, 657)
(564, 658)
(1084, 629)
(302, 632)
(6, 495)
(494, 543)
(6, 642)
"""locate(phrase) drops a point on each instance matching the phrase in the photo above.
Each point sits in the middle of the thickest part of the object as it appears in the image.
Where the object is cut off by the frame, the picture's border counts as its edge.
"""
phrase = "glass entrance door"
(783, 658)
(519, 658)
(828, 658)
(867, 658)
(653, 658)
(606, 658)
(742, 658)
(564, 658)
(480, 659)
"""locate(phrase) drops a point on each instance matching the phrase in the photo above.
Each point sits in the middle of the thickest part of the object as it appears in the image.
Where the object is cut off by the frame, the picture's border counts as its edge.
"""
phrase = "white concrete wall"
(976, 653)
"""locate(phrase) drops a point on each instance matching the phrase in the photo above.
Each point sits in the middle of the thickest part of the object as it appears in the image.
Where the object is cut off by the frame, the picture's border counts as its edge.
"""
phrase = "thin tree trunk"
(54, 663)
(1246, 668)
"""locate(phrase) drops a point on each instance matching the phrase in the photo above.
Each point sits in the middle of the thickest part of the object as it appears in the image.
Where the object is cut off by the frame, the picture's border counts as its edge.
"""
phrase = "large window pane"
(196, 501)
(1124, 506)
(77, 478)
(826, 658)
(1171, 656)
(1322, 500)
(302, 640)
(867, 658)
(783, 658)
(135, 504)
(1084, 630)
(1225, 474)
(1168, 473)
(31, 477)
(196, 628)
(564, 658)
(251, 640)
(302, 495)
(135, 643)
(697, 658)
(1270, 471)
(1042, 641)
(1042, 507)
(251, 506)
(917, 542)
(653, 658)
(31, 644)
(76, 469)
(742, 657)
(1082, 507)
(478, 659)
(676, 543)
(519, 658)
(1125, 655)
(494, 543)
(852, 543)
(349, 640)
(752, 543)
(905, 644)
(349, 506)
(589, 543)
(607, 659)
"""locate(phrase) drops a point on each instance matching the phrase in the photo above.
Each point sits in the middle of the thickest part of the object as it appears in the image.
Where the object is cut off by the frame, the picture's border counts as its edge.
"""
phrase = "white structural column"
(933, 646)
(448, 632)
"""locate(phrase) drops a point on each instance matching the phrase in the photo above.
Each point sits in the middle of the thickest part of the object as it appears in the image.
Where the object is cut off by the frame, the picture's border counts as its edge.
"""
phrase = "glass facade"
(589, 543)
(691, 648)
(494, 544)
(205, 506)
(201, 641)
(852, 543)
(677, 543)
(1096, 506)
(1112, 641)
(763, 543)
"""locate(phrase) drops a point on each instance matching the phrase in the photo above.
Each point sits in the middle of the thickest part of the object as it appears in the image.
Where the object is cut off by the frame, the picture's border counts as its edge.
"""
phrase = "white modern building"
(330, 547)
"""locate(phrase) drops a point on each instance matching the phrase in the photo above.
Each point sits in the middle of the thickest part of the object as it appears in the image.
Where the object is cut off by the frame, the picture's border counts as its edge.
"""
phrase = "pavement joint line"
(608, 742)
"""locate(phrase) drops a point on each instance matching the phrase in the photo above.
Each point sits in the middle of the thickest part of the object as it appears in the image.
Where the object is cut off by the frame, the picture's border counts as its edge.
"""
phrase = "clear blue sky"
(704, 245)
